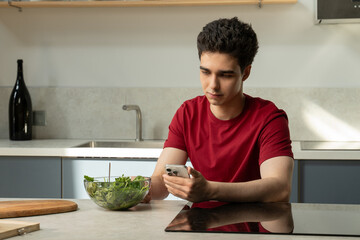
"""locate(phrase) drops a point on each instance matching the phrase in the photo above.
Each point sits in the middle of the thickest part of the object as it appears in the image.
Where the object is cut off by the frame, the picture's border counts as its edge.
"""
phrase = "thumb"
(193, 172)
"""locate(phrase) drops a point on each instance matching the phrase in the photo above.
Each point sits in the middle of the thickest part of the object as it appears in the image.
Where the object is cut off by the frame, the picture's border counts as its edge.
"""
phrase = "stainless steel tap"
(138, 120)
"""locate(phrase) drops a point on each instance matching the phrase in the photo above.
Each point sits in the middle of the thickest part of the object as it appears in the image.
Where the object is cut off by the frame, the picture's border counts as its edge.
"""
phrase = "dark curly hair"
(230, 36)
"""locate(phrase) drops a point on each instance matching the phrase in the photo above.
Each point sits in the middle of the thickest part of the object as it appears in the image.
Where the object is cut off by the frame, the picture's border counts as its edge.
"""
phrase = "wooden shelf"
(143, 3)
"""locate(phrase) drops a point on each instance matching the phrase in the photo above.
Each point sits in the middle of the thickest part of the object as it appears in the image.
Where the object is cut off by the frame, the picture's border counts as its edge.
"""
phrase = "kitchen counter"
(145, 221)
(67, 148)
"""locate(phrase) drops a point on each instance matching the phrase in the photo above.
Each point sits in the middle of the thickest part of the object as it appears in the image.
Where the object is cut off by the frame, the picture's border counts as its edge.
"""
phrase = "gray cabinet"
(329, 181)
(314, 181)
(30, 177)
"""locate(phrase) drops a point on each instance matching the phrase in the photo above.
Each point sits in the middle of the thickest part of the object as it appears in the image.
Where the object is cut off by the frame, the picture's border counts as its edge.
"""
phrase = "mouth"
(214, 95)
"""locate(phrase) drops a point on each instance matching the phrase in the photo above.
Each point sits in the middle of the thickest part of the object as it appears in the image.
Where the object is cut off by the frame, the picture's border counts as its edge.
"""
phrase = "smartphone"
(177, 170)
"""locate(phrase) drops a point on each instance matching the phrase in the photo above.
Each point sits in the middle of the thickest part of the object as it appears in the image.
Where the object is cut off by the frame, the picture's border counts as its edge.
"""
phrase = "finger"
(193, 172)
(189, 170)
(176, 192)
(175, 179)
(179, 185)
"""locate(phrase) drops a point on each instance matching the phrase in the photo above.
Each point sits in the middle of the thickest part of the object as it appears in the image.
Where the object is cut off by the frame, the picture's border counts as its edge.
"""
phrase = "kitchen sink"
(118, 144)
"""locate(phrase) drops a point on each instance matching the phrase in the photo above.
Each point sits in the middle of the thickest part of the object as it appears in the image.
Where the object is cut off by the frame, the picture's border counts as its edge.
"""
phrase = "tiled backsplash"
(96, 113)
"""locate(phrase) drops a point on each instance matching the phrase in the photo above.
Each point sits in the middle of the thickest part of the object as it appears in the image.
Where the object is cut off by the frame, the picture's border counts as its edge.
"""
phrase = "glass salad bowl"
(117, 193)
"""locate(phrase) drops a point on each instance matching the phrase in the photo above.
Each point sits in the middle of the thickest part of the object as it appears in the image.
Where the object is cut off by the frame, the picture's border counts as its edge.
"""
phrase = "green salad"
(123, 193)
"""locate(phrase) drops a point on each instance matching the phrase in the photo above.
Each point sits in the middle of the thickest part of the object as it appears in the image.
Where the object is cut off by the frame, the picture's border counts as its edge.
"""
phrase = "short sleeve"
(176, 138)
(274, 139)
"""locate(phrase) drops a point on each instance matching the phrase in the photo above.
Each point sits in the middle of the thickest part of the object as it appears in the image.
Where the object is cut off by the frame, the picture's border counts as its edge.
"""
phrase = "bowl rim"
(113, 177)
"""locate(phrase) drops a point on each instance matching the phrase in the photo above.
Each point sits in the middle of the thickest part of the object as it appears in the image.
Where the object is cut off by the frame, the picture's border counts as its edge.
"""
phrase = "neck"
(230, 110)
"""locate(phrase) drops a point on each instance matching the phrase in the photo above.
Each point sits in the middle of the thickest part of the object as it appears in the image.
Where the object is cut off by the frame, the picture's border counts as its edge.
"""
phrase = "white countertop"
(300, 154)
(67, 148)
(145, 221)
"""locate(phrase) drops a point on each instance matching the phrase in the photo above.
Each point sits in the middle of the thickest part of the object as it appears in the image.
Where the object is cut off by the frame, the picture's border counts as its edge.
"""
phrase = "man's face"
(221, 78)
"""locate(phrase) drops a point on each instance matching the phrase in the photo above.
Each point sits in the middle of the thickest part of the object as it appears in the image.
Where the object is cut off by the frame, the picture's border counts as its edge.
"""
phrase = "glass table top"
(268, 218)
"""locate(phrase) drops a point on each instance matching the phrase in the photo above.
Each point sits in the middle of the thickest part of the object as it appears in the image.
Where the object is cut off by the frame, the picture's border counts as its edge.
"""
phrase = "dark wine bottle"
(20, 108)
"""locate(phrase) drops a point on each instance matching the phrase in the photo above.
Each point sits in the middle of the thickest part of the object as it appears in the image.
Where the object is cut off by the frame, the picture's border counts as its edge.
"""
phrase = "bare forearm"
(274, 185)
(261, 190)
(158, 190)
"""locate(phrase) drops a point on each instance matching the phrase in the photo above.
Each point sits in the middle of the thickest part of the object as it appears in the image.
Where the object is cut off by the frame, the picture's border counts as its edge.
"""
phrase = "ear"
(246, 72)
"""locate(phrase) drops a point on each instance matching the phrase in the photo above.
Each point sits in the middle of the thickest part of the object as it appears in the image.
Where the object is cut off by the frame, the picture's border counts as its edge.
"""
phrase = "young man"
(239, 146)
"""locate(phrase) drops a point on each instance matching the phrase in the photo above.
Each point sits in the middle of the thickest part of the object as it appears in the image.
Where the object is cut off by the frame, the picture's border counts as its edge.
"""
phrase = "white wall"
(156, 46)
(82, 64)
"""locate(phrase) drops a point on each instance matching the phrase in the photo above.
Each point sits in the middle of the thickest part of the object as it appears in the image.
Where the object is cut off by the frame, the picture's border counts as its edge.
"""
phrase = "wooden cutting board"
(11, 228)
(24, 208)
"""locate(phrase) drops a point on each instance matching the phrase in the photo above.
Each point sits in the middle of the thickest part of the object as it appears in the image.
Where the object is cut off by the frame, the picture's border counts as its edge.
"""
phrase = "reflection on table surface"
(234, 217)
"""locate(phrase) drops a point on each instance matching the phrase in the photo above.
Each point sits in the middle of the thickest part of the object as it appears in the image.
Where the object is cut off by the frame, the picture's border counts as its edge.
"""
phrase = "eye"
(227, 75)
(204, 72)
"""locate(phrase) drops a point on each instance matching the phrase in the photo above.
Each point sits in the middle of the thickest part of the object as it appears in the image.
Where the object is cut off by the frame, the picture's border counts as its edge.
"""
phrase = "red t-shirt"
(230, 150)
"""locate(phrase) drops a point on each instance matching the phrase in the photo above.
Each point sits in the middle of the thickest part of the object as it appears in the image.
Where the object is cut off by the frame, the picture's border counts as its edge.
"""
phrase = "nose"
(214, 83)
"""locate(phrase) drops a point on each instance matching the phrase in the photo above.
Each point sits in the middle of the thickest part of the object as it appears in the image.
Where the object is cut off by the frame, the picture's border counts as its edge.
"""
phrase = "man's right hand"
(167, 156)
(194, 189)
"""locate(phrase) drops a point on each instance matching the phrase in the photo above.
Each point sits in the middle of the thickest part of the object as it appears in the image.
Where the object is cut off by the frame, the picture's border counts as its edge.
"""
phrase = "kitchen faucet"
(138, 120)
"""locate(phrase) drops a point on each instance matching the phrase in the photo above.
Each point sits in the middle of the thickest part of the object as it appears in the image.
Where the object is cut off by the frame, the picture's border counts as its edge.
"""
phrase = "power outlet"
(39, 118)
